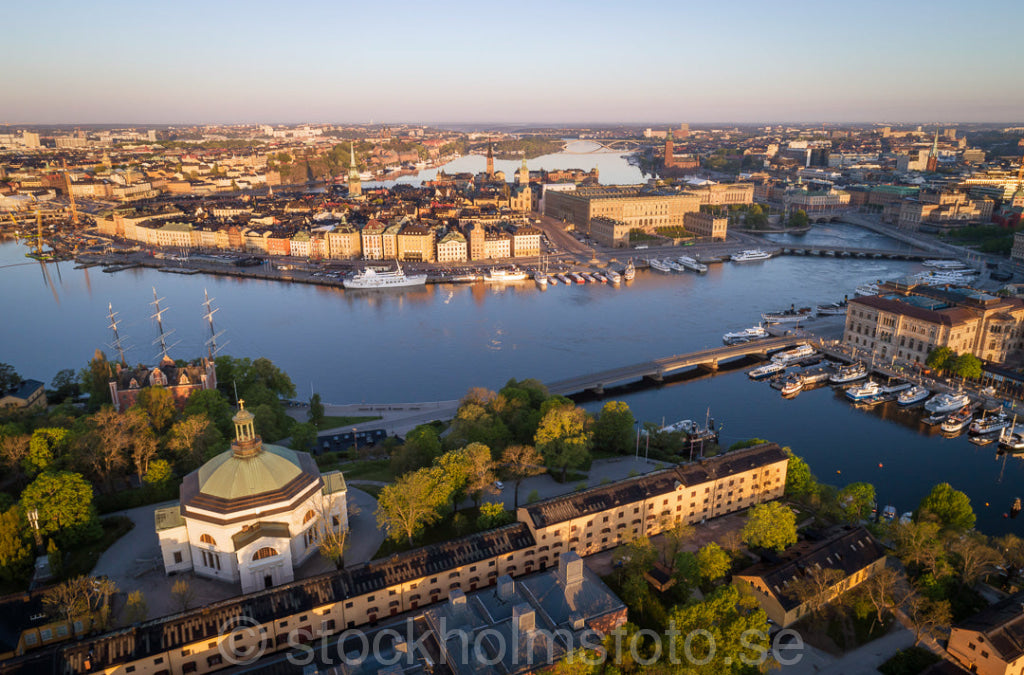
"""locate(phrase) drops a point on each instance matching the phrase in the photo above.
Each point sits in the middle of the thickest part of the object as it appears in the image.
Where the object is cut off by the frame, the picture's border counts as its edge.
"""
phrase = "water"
(435, 342)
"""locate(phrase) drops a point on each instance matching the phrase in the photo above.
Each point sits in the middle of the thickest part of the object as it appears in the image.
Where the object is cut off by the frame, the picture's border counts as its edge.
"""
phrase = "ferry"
(746, 335)
(862, 391)
(866, 289)
(613, 276)
(792, 385)
(947, 403)
(944, 264)
(832, 309)
(987, 424)
(1011, 440)
(790, 315)
(915, 394)
(505, 276)
(766, 370)
(371, 278)
(659, 266)
(750, 255)
(674, 266)
(956, 422)
(849, 373)
(792, 355)
(691, 264)
(630, 272)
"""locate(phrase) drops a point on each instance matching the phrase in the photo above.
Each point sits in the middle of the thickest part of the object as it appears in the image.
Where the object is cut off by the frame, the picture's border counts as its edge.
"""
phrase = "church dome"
(229, 476)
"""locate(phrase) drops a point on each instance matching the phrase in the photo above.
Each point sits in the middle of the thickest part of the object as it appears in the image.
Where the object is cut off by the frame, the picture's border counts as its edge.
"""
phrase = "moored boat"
(956, 422)
(947, 402)
(659, 266)
(849, 373)
(564, 279)
(987, 424)
(746, 335)
(831, 309)
(630, 272)
(866, 289)
(791, 315)
(613, 276)
(541, 279)
(862, 391)
(766, 370)
(915, 394)
(792, 385)
(789, 356)
(691, 264)
(750, 255)
(505, 276)
(371, 278)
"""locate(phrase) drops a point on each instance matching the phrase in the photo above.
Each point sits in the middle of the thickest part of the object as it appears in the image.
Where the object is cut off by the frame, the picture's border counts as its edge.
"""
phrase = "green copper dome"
(230, 476)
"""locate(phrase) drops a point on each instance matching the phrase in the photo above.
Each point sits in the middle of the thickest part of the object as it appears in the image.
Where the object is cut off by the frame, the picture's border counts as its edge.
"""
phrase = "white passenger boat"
(691, 264)
(849, 373)
(792, 386)
(987, 424)
(915, 394)
(766, 370)
(505, 276)
(956, 422)
(659, 266)
(371, 278)
(944, 264)
(750, 255)
(746, 335)
(866, 289)
(862, 391)
(831, 309)
(788, 316)
(630, 272)
(613, 276)
(541, 279)
(947, 403)
(792, 355)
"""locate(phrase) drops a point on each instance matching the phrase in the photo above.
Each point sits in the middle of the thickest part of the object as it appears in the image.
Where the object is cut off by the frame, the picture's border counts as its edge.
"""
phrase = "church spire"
(490, 161)
(355, 185)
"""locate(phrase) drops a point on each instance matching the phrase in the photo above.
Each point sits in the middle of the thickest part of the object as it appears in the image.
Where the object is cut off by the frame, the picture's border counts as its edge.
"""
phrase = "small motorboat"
(792, 386)
(915, 394)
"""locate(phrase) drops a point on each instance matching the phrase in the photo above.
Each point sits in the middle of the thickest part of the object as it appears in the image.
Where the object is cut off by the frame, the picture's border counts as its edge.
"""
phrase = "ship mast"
(211, 342)
(158, 315)
(112, 316)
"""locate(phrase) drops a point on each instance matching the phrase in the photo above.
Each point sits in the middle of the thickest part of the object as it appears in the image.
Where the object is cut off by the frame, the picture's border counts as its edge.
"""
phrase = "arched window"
(265, 552)
(308, 517)
(207, 539)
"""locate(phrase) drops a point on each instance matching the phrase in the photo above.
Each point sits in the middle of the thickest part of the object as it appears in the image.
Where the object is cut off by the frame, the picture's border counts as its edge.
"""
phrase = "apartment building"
(907, 321)
(581, 523)
(452, 247)
(526, 242)
(415, 243)
(990, 642)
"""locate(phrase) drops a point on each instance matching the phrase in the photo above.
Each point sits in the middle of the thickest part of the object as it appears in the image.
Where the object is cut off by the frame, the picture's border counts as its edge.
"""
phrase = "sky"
(545, 61)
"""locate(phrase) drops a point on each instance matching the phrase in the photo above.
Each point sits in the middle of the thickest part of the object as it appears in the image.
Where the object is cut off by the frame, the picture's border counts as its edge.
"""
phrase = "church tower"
(933, 156)
(524, 174)
(355, 186)
(669, 151)
(490, 162)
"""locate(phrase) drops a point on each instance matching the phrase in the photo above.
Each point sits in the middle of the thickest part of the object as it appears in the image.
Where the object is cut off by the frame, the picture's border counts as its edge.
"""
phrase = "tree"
(212, 404)
(15, 546)
(1012, 549)
(816, 588)
(64, 502)
(492, 514)
(183, 593)
(613, 430)
(713, 562)
(9, 377)
(676, 535)
(770, 525)
(884, 591)
(519, 462)
(927, 617)
(158, 403)
(105, 445)
(135, 609)
(972, 556)
(194, 438)
(422, 446)
(736, 624)
(949, 507)
(411, 503)
(69, 599)
(142, 440)
(800, 482)
(940, 358)
(919, 544)
(856, 501)
(43, 448)
(564, 438)
(756, 217)
(469, 470)
(316, 411)
(159, 473)
(64, 384)
(95, 380)
(966, 366)
(799, 219)
(303, 436)
(332, 539)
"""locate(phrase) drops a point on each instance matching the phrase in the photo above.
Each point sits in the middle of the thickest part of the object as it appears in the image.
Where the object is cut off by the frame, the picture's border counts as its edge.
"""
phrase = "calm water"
(436, 342)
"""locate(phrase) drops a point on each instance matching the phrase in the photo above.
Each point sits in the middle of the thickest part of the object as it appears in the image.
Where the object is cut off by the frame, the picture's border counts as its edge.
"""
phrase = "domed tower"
(251, 514)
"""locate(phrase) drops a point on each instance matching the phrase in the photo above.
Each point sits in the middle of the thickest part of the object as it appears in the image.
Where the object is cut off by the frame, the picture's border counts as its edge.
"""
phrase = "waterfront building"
(815, 201)
(372, 239)
(252, 514)
(477, 241)
(852, 551)
(526, 242)
(936, 210)
(990, 642)
(642, 210)
(590, 521)
(497, 244)
(610, 232)
(707, 224)
(907, 320)
(180, 381)
(344, 243)
(27, 395)
(415, 243)
(452, 247)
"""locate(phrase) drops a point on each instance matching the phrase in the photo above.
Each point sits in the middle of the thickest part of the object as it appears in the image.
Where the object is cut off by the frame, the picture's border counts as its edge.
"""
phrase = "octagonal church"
(252, 514)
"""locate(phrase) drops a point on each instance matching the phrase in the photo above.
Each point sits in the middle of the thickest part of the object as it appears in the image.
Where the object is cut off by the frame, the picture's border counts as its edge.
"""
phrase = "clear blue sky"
(547, 61)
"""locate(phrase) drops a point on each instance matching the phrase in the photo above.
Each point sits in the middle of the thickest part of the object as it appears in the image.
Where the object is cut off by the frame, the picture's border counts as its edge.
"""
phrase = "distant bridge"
(854, 252)
(658, 369)
(604, 145)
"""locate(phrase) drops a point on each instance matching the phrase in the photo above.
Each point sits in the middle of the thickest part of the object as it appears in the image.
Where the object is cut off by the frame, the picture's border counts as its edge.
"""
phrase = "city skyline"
(458, 63)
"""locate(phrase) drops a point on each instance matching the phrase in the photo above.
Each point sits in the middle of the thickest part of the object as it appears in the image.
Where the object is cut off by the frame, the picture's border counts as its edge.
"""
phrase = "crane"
(71, 194)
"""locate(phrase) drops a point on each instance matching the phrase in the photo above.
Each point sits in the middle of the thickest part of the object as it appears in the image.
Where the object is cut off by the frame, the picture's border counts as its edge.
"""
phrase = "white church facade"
(252, 514)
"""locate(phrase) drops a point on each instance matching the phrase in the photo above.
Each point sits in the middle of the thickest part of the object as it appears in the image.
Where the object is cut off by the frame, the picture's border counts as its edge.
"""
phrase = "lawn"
(909, 661)
(335, 421)
(674, 232)
(368, 469)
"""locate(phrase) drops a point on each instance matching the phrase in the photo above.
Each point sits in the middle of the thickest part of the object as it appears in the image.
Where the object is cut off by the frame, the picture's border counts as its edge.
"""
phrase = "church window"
(265, 552)
(308, 517)
(207, 539)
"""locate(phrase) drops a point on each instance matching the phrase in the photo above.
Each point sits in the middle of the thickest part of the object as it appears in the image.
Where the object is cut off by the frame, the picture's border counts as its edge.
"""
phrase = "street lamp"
(355, 442)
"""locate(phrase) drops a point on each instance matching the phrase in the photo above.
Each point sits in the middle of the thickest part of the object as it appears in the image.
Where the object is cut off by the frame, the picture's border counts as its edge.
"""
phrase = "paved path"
(861, 661)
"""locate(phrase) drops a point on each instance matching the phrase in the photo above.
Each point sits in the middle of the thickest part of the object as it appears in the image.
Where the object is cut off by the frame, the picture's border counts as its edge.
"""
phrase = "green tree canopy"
(15, 545)
(940, 358)
(9, 377)
(770, 525)
(44, 448)
(158, 402)
(947, 506)
(738, 632)
(856, 501)
(800, 482)
(412, 502)
(967, 366)
(63, 501)
(798, 218)
(564, 437)
(212, 404)
(613, 430)
(303, 436)
(316, 411)
(713, 562)
(95, 379)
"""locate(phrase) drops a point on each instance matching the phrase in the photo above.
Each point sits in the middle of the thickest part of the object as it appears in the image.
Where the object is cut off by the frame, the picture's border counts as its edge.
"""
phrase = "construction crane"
(71, 194)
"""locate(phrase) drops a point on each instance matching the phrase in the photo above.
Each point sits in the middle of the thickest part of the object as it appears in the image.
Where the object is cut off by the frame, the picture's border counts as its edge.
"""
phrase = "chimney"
(570, 569)
(524, 620)
(457, 598)
(506, 587)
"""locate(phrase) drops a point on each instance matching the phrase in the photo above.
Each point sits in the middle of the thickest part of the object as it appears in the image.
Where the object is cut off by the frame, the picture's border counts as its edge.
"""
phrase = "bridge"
(854, 252)
(604, 145)
(658, 369)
